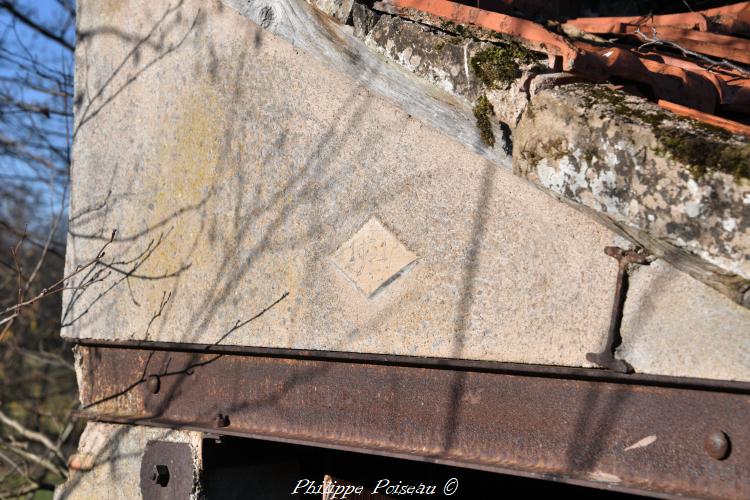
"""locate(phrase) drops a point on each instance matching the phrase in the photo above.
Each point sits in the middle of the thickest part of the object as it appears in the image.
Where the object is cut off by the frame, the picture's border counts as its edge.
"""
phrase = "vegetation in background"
(38, 391)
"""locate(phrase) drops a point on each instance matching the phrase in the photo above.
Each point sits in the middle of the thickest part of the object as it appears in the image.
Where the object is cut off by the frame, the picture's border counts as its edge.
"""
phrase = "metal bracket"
(606, 358)
(167, 471)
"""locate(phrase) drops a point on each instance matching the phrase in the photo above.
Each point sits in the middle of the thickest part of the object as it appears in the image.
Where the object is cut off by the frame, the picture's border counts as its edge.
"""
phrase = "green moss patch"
(483, 110)
(499, 65)
(451, 27)
(704, 153)
(704, 148)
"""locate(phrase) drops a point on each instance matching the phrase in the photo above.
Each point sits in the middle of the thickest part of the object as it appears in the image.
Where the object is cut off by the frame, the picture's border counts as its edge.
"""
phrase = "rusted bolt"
(717, 444)
(160, 475)
(153, 383)
(221, 420)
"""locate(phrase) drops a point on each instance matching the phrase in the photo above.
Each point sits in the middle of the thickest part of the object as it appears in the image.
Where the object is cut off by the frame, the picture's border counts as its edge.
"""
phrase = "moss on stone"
(499, 65)
(458, 29)
(483, 110)
(704, 148)
(705, 153)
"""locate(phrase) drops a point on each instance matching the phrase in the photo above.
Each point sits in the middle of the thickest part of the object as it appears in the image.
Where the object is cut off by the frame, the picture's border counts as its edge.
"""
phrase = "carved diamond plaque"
(372, 257)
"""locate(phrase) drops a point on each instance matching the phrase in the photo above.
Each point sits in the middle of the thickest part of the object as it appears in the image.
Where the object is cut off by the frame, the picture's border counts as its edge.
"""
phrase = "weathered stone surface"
(234, 166)
(688, 222)
(510, 103)
(717, 258)
(114, 453)
(621, 156)
(339, 9)
(373, 257)
(443, 57)
(439, 57)
(549, 81)
(246, 181)
(662, 307)
(698, 230)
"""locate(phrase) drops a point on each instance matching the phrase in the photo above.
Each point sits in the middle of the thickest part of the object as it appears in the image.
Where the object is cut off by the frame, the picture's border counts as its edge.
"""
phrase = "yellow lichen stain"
(186, 177)
(189, 160)
(108, 8)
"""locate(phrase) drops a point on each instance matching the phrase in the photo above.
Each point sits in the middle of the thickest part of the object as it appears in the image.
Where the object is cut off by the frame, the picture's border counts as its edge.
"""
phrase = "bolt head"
(153, 384)
(717, 444)
(221, 420)
(160, 475)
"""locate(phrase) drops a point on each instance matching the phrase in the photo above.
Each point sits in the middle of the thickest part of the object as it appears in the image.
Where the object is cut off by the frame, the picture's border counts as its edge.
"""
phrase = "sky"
(21, 51)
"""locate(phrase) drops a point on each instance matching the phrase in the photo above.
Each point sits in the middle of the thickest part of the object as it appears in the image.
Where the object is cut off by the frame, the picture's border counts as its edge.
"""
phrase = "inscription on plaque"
(372, 257)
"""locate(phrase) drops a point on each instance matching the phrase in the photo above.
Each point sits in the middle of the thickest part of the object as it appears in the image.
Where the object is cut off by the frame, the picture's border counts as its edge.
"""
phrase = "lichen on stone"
(483, 110)
(498, 66)
(702, 147)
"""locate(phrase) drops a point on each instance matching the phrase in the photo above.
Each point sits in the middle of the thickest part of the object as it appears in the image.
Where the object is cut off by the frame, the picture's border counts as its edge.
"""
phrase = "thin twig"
(54, 288)
(31, 435)
(28, 21)
(654, 40)
(41, 461)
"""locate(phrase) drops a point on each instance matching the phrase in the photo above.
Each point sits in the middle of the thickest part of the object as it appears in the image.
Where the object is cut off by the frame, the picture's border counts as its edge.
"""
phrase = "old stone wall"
(263, 197)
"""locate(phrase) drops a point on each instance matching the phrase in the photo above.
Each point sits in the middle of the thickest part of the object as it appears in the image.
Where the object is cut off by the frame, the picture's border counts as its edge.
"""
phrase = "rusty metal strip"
(669, 441)
(523, 369)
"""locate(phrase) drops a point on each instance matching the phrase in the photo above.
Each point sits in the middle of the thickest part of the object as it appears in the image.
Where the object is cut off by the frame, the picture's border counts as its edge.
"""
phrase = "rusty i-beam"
(668, 435)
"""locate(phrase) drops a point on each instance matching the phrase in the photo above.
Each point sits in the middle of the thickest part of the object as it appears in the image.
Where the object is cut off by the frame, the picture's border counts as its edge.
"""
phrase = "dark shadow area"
(546, 9)
(236, 468)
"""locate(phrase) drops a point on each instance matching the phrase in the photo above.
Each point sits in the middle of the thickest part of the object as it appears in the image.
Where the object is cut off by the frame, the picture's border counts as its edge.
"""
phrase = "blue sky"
(22, 51)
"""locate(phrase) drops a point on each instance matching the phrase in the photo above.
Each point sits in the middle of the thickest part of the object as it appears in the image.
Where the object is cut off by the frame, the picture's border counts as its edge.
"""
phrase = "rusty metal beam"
(612, 434)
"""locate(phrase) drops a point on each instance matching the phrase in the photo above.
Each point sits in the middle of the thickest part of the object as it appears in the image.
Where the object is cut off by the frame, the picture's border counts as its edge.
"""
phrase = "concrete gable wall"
(235, 167)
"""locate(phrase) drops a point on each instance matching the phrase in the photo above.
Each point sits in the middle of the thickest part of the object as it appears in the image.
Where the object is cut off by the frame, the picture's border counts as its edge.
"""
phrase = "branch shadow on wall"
(305, 185)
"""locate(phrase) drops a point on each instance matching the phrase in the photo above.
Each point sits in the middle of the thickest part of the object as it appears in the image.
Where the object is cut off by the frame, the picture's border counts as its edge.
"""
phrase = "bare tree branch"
(31, 435)
(654, 40)
(36, 117)
(32, 457)
(42, 30)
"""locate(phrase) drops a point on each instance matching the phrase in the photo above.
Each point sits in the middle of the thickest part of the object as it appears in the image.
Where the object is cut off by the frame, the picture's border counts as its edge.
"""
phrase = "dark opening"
(237, 468)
